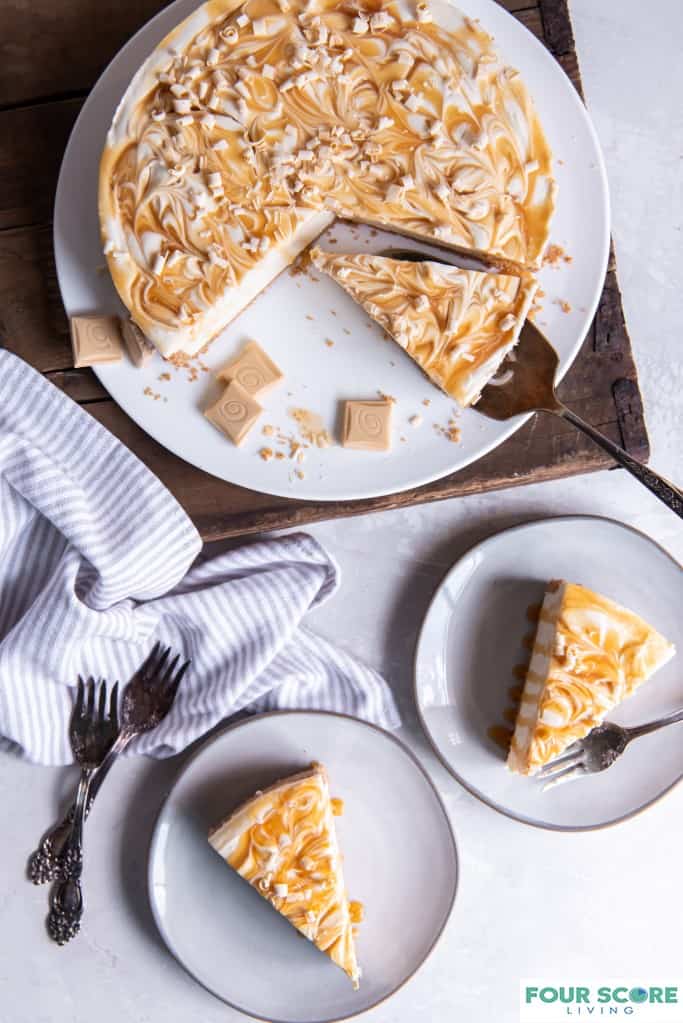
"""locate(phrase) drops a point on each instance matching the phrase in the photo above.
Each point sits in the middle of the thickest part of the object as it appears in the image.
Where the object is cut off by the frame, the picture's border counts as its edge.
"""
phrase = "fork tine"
(102, 706)
(80, 697)
(170, 671)
(149, 664)
(175, 683)
(114, 705)
(553, 770)
(90, 707)
(568, 774)
(161, 663)
(565, 760)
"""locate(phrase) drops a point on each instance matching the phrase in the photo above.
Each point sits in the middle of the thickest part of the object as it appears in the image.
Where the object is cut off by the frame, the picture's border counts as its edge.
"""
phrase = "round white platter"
(295, 316)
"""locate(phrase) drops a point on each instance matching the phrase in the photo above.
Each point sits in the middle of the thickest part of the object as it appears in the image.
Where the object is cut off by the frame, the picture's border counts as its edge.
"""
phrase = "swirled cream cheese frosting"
(252, 125)
(283, 842)
(458, 325)
(589, 654)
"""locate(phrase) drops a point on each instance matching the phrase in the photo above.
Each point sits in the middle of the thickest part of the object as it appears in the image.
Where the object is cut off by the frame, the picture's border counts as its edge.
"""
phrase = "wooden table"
(50, 56)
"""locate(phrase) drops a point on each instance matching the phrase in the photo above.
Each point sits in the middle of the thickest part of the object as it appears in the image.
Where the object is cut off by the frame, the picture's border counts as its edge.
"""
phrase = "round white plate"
(400, 860)
(295, 315)
(471, 641)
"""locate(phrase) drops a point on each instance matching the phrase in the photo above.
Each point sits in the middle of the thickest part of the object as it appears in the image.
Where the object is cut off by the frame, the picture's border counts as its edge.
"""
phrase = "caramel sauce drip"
(356, 912)
(500, 734)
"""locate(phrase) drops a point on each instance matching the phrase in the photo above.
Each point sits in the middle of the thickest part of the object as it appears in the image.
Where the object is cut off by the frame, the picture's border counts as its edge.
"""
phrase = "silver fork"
(598, 750)
(93, 729)
(146, 701)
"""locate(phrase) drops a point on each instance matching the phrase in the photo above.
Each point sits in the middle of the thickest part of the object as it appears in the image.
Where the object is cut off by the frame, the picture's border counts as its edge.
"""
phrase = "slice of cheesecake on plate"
(284, 843)
(589, 654)
(457, 325)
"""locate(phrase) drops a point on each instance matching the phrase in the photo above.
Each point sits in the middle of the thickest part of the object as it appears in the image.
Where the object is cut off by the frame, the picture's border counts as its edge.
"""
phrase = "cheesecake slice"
(283, 842)
(457, 325)
(589, 654)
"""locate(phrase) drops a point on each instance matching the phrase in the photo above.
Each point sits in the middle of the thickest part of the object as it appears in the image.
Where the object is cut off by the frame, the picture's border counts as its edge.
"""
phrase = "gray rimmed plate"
(471, 657)
(400, 860)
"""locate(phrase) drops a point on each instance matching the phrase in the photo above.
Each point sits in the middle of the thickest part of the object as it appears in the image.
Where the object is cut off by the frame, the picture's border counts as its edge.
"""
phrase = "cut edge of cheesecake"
(226, 837)
(475, 378)
(544, 660)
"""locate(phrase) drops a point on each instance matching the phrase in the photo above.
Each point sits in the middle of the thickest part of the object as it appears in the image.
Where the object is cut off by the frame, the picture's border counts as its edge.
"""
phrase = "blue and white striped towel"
(98, 561)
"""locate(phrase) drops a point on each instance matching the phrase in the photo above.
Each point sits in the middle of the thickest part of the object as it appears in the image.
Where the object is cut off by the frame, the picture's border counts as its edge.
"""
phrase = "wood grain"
(32, 141)
(44, 77)
(51, 49)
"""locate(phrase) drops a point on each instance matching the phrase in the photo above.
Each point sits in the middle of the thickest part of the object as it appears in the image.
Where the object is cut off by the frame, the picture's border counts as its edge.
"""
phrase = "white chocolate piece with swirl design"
(253, 369)
(367, 425)
(95, 339)
(251, 127)
(138, 347)
(457, 325)
(283, 842)
(589, 654)
(235, 412)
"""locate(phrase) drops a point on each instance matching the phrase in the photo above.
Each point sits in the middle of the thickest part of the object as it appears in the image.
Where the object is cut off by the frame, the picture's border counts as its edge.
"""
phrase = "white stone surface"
(531, 903)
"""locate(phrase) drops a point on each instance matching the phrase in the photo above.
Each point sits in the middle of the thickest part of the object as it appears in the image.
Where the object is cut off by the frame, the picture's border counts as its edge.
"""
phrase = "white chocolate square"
(139, 348)
(95, 339)
(234, 413)
(253, 370)
(367, 425)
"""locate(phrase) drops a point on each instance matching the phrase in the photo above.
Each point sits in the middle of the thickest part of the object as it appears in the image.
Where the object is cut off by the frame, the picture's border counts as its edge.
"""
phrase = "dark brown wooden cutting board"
(50, 55)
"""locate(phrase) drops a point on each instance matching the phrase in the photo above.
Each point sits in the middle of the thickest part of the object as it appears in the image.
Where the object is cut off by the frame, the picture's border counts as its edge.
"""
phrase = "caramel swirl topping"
(249, 123)
(456, 324)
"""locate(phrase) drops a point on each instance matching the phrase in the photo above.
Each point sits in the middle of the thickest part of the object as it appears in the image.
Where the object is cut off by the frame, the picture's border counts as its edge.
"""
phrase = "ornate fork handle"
(66, 902)
(46, 862)
(654, 726)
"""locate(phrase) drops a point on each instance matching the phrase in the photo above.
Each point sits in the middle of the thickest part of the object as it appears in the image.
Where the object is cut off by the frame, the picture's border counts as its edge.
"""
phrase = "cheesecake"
(253, 125)
(589, 654)
(284, 843)
(457, 325)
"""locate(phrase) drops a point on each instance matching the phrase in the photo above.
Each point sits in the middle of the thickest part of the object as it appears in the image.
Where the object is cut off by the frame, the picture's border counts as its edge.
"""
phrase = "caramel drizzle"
(491, 153)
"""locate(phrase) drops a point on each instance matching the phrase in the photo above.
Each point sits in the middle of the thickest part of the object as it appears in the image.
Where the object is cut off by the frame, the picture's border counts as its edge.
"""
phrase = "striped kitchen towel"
(98, 561)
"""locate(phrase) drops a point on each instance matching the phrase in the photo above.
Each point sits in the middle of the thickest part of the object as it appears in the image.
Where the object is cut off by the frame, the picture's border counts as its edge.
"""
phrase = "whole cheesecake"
(253, 125)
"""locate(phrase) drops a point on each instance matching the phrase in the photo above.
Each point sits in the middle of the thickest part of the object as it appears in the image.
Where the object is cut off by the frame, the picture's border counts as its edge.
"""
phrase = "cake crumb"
(415, 420)
(426, 402)
(279, 455)
(268, 430)
(329, 342)
(311, 427)
(563, 304)
(300, 473)
(165, 376)
(346, 331)
(387, 397)
(149, 393)
(266, 454)
(309, 317)
(451, 432)
(554, 255)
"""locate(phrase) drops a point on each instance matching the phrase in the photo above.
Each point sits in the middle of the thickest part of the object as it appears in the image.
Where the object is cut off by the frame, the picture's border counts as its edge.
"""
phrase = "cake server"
(526, 383)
